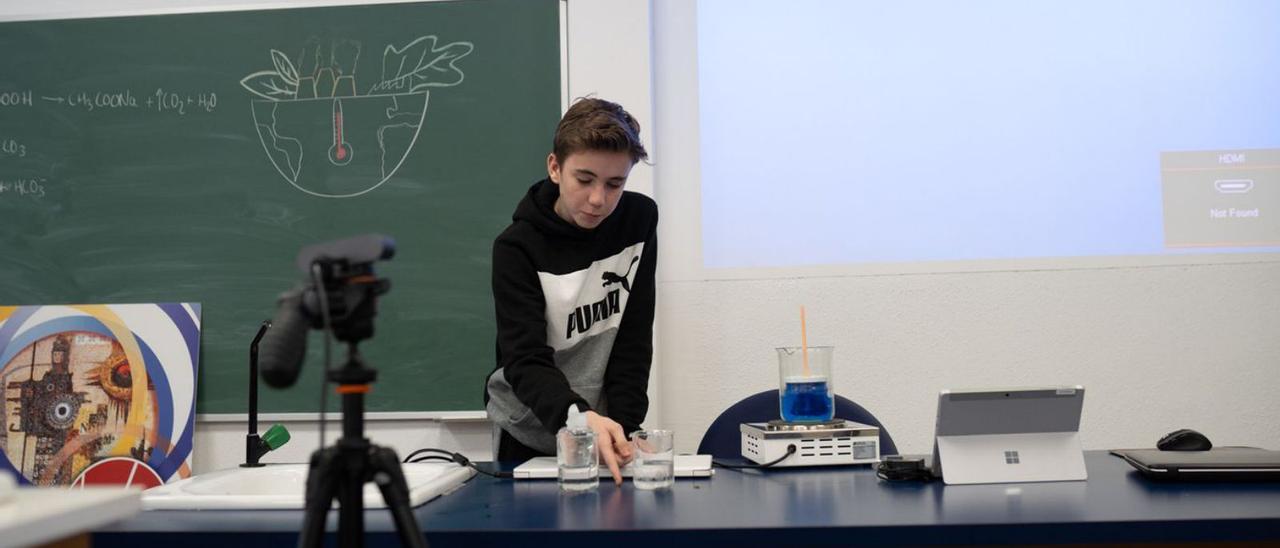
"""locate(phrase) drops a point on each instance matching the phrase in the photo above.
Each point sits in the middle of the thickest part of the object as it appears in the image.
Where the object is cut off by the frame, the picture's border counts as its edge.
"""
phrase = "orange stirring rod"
(804, 343)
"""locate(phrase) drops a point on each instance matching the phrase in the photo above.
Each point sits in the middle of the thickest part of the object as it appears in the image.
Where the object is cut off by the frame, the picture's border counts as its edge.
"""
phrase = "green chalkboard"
(188, 157)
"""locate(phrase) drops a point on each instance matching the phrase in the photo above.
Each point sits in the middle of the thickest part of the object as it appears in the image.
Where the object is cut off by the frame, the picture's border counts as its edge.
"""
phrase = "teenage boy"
(573, 292)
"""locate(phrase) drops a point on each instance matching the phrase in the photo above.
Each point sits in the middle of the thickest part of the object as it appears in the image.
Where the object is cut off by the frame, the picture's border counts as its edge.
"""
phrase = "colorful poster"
(98, 393)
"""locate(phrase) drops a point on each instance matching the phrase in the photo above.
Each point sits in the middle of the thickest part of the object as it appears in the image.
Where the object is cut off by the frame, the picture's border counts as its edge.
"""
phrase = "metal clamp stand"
(342, 470)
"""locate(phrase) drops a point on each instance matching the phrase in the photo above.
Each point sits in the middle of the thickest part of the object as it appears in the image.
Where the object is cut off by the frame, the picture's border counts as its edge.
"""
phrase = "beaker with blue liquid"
(806, 389)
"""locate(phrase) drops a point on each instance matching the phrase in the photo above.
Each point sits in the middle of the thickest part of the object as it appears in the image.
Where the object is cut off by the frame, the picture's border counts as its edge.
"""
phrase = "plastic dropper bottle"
(576, 454)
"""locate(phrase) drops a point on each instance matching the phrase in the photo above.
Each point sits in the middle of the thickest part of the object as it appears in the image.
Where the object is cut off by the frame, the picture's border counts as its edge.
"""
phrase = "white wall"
(1157, 347)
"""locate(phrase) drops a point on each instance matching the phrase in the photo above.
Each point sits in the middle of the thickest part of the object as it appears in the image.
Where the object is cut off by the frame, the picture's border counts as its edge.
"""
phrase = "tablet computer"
(1009, 435)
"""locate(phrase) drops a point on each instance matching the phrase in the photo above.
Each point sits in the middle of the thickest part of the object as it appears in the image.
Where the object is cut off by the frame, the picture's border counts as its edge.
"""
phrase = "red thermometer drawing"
(341, 152)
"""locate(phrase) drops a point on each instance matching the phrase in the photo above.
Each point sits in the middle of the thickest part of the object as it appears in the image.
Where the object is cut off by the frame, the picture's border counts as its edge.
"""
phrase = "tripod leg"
(351, 479)
(321, 489)
(385, 466)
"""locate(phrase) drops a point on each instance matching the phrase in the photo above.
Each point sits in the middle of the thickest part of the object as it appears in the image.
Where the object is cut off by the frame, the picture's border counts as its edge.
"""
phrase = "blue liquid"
(806, 401)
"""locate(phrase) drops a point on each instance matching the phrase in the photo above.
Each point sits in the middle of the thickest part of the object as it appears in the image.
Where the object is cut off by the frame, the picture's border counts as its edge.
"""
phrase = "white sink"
(281, 486)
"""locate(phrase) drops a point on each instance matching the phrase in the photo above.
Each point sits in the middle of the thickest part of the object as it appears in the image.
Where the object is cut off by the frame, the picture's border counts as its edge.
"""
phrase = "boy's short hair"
(597, 124)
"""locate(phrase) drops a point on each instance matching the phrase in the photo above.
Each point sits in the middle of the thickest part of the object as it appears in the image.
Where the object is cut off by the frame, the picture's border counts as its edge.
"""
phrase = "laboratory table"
(778, 507)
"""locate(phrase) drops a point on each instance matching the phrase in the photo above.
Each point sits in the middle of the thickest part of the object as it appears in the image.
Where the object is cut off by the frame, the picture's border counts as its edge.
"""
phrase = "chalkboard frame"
(562, 97)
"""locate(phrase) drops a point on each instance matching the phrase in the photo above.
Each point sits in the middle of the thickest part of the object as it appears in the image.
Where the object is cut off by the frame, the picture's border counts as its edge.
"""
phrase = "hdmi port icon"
(1233, 186)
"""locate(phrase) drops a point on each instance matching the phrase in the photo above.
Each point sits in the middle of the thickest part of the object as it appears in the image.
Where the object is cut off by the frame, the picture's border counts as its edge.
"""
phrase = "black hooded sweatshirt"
(574, 311)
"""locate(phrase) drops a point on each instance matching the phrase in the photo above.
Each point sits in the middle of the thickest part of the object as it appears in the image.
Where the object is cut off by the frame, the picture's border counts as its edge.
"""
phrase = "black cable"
(454, 457)
(498, 475)
(448, 454)
(317, 276)
(432, 457)
(791, 450)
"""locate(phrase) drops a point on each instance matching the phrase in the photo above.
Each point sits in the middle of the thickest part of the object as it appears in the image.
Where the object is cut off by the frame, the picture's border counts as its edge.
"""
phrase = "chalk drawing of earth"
(328, 139)
(340, 147)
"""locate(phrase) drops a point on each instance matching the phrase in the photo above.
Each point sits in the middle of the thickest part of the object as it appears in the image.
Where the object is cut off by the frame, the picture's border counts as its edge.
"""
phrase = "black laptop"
(1217, 464)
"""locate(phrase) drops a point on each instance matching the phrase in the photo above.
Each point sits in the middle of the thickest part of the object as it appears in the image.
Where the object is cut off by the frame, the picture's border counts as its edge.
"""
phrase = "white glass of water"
(578, 463)
(654, 464)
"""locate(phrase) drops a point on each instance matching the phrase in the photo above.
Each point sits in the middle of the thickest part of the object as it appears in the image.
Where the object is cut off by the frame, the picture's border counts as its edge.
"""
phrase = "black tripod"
(340, 471)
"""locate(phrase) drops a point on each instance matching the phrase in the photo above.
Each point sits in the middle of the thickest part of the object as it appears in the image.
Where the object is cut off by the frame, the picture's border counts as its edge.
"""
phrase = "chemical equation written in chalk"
(12, 148)
(16, 98)
(25, 187)
(160, 100)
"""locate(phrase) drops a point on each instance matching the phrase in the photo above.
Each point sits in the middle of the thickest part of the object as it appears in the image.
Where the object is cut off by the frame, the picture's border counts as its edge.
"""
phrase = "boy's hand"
(611, 443)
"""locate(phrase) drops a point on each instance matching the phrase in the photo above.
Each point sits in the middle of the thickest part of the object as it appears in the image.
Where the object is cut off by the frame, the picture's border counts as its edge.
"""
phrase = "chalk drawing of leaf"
(420, 65)
(285, 67)
(268, 84)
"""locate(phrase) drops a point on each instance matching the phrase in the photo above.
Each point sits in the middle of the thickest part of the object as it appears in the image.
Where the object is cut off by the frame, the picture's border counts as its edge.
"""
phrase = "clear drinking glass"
(577, 460)
(654, 465)
(805, 389)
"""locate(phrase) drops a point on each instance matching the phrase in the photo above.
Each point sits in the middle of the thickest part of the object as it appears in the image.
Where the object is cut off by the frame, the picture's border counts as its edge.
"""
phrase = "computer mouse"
(1184, 440)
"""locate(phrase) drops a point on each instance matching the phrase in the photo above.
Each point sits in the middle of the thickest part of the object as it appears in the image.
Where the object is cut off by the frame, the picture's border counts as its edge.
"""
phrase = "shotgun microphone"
(284, 346)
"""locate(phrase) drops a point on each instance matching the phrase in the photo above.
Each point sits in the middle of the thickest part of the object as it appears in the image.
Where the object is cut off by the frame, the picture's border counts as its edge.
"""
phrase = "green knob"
(276, 436)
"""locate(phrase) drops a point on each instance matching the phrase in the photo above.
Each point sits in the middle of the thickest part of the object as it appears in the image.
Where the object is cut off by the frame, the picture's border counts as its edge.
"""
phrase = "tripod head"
(340, 281)
(351, 290)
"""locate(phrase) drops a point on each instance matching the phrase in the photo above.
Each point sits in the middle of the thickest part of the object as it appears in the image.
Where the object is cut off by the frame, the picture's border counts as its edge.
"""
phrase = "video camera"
(341, 286)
